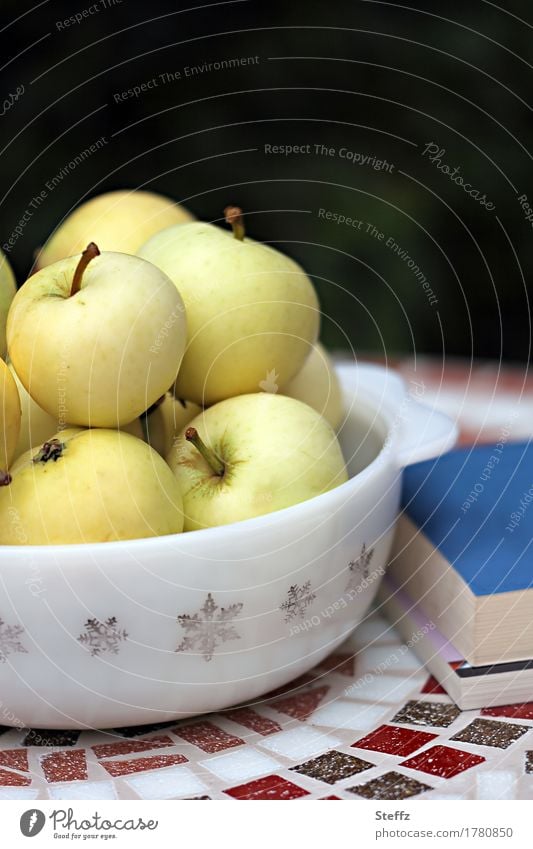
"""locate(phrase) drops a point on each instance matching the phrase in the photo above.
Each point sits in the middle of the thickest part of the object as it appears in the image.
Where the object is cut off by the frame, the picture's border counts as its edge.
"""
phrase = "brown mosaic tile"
(435, 714)
(138, 730)
(45, 737)
(392, 785)
(529, 763)
(332, 766)
(488, 732)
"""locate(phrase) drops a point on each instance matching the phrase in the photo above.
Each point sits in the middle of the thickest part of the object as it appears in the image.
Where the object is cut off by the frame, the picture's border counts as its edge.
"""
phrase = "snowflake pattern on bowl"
(359, 569)
(10, 640)
(299, 598)
(209, 627)
(101, 637)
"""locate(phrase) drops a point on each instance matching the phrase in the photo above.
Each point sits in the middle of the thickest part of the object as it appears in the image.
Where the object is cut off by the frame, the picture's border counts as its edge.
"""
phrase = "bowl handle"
(424, 433)
(419, 432)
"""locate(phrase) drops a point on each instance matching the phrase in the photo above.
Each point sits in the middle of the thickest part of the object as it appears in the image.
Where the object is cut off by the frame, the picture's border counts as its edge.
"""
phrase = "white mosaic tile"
(387, 658)
(240, 764)
(7, 793)
(83, 790)
(496, 784)
(300, 743)
(167, 783)
(349, 714)
(387, 688)
(442, 797)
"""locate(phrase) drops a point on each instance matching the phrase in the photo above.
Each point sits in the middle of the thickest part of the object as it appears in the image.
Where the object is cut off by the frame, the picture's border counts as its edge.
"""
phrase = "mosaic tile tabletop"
(368, 723)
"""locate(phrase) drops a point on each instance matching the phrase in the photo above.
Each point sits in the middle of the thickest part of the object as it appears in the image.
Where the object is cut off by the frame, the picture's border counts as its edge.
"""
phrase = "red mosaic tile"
(254, 721)
(126, 747)
(518, 711)
(65, 766)
(207, 736)
(342, 664)
(443, 761)
(394, 741)
(12, 779)
(302, 705)
(433, 688)
(272, 787)
(15, 759)
(330, 799)
(126, 767)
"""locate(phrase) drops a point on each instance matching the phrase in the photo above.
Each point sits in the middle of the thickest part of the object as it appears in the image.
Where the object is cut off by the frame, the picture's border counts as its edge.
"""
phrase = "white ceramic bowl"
(150, 630)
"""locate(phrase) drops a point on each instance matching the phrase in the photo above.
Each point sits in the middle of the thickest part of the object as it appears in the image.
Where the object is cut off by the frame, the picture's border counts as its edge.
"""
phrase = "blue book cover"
(463, 550)
(475, 505)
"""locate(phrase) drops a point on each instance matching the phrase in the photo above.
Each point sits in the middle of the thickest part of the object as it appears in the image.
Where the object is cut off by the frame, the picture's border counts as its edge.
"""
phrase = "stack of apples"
(140, 396)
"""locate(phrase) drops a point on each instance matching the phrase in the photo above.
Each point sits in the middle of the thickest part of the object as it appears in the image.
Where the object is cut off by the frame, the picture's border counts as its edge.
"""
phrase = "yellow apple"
(251, 310)
(97, 339)
(9, 420)
(36, 425)
(116, 221)
(317, 384)
(135, 428)
(89, 486)
(166, 420)
(252, 455)
(8, 287)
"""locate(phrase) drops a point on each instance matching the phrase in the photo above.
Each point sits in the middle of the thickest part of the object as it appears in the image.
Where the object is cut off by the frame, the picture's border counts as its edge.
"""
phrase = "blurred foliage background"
(378, 79)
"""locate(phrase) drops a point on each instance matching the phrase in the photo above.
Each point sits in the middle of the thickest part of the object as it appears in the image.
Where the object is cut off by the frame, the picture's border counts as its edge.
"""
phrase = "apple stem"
(88, 254)
(51, 450)
(233, 217)
(192, 435)
(5, 478)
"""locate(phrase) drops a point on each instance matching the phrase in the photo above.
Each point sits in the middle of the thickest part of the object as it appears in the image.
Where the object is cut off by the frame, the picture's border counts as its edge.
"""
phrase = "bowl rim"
(381, 415)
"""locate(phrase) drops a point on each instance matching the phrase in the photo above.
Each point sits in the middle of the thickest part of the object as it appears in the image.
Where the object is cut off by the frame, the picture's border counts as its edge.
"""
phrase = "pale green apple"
(97, 339)
(135, 428)
(251, 310)
(8, 287)
(317, 384)
(10, 415)
(165, 420)
(89, 486)
(255, 454)
(36, 425)
(116, 221)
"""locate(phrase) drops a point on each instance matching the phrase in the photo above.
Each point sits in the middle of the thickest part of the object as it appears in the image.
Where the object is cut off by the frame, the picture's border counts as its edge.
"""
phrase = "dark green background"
(378, 78)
